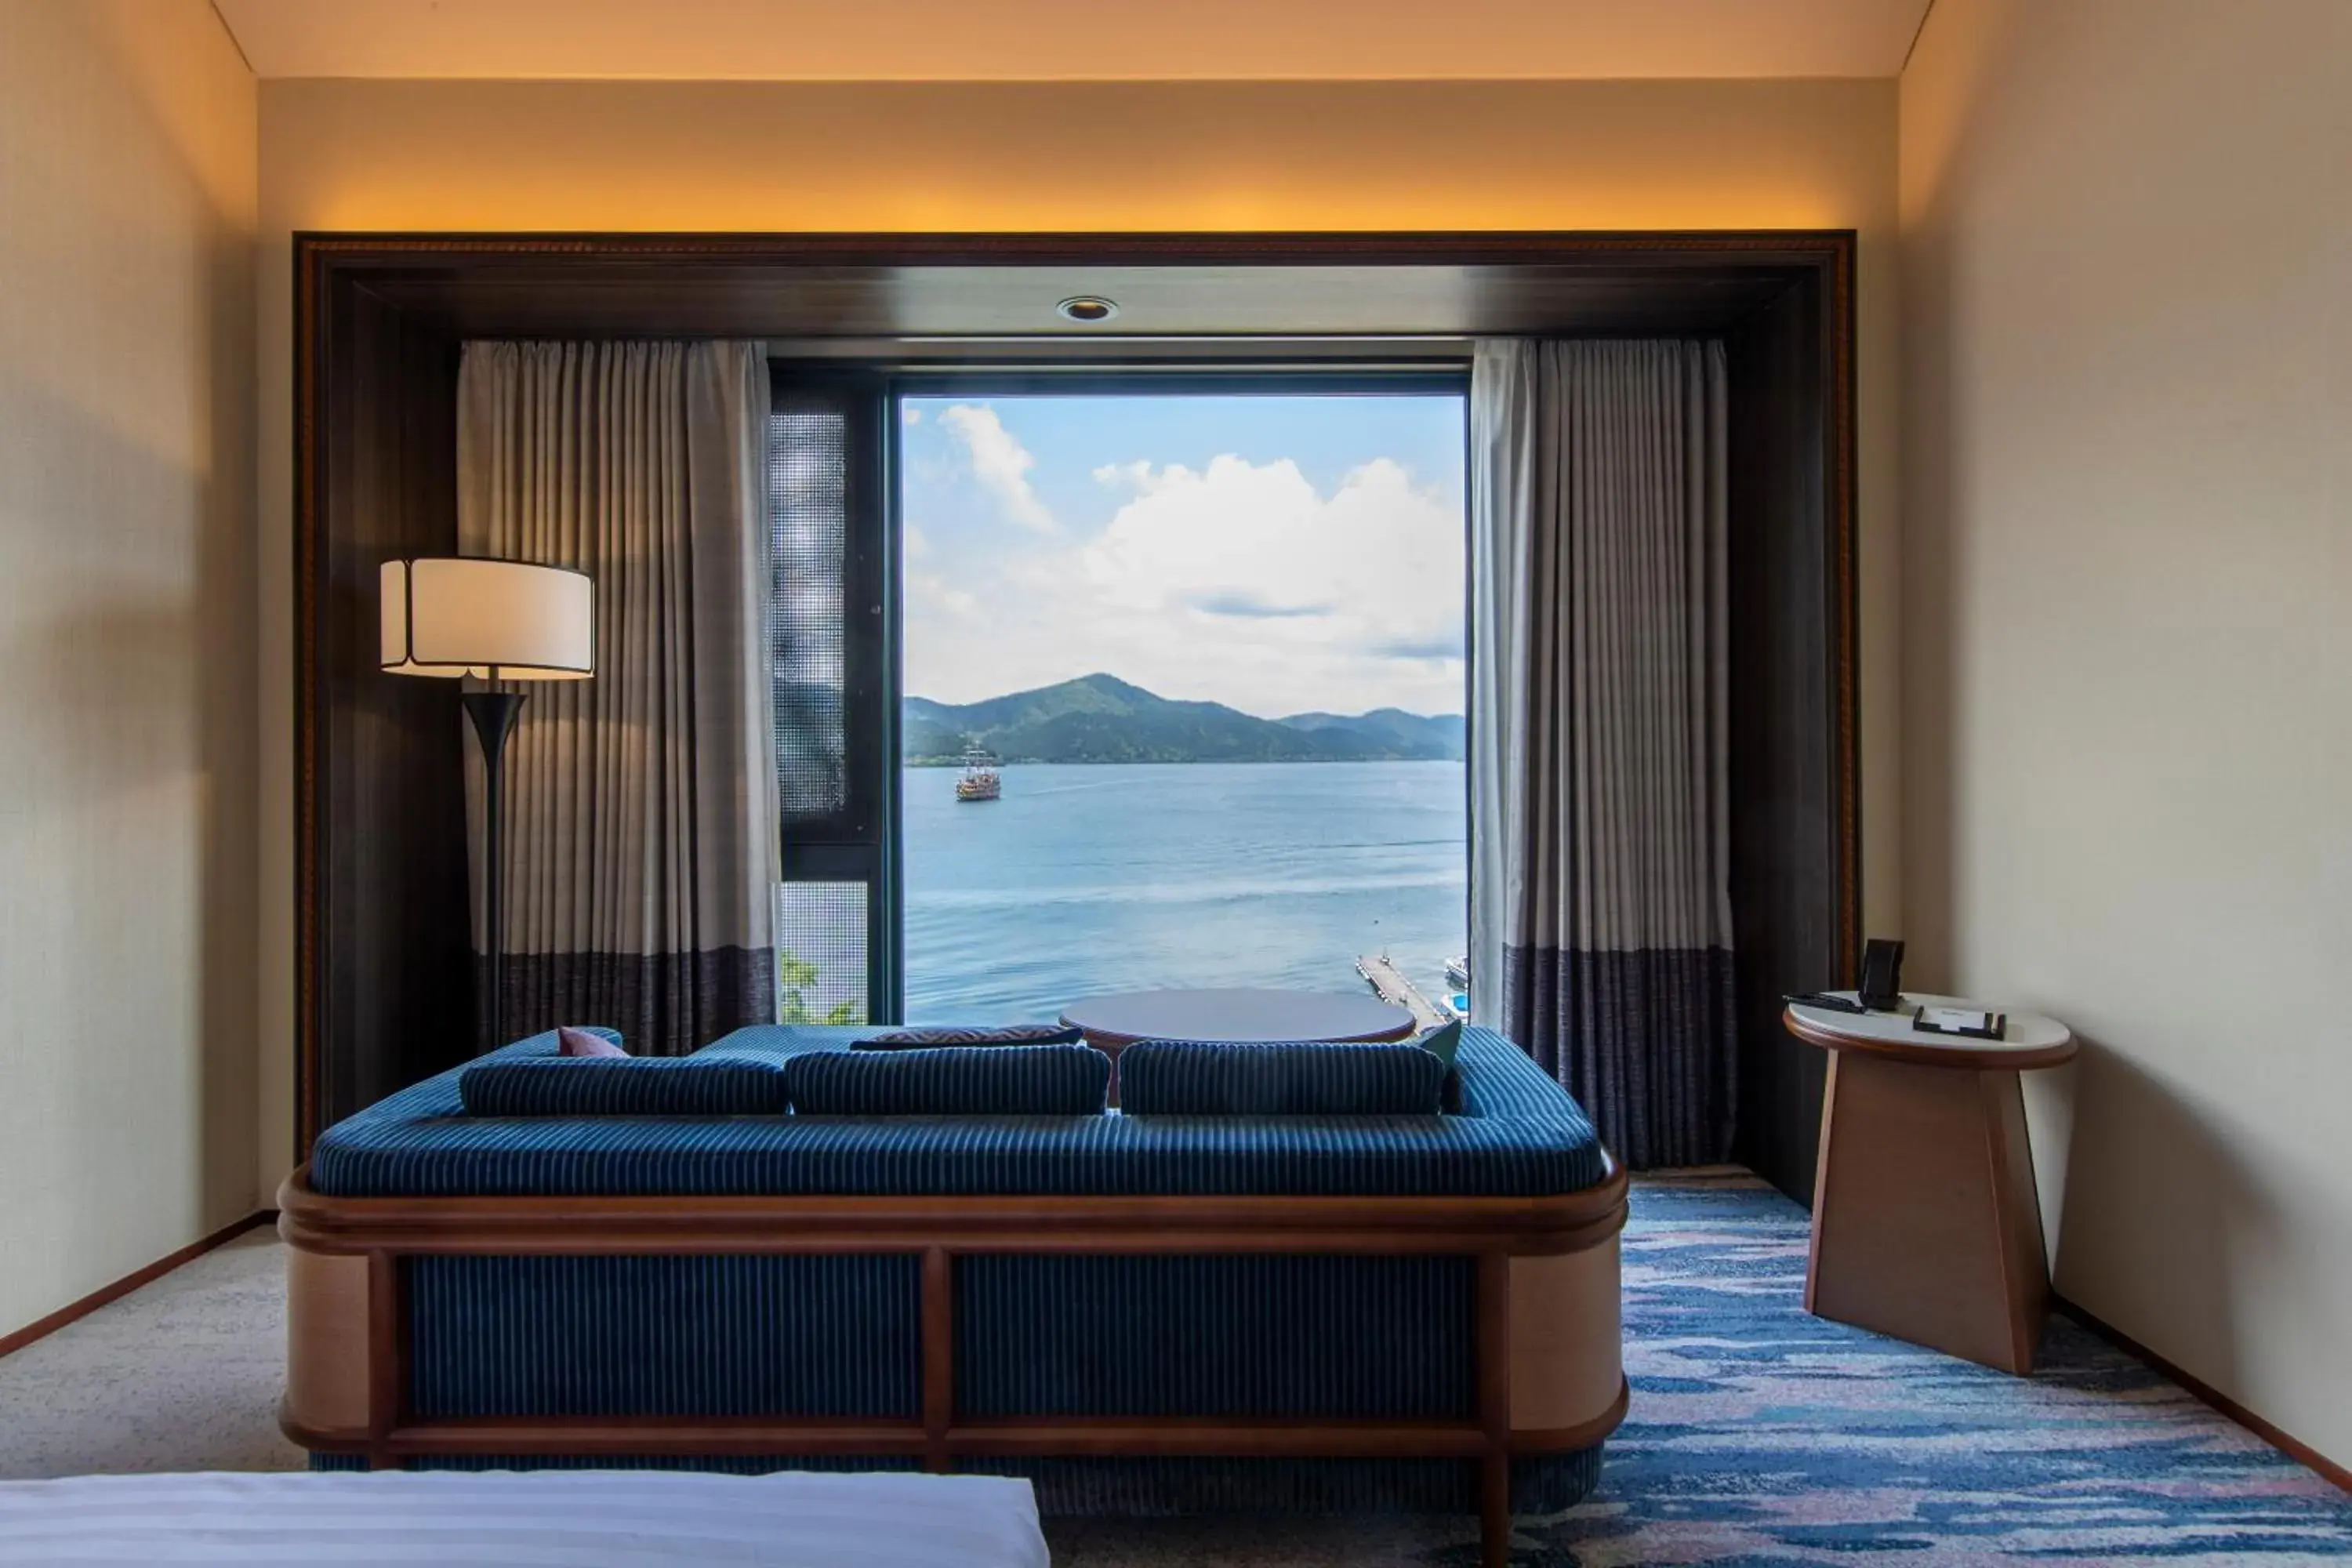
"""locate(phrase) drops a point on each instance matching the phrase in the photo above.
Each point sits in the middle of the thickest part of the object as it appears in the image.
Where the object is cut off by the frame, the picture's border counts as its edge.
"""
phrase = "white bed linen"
(543, 1519)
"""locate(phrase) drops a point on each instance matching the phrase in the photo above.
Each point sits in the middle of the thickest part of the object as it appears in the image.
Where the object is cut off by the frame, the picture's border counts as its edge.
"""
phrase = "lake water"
(1089, 880)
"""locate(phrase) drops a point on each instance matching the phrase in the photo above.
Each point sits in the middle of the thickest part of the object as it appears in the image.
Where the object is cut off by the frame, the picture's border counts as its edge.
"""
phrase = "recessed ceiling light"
(1087, 308)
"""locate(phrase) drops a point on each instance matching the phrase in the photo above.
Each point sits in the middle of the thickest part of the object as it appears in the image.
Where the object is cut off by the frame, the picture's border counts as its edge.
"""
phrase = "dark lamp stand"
(493, 714)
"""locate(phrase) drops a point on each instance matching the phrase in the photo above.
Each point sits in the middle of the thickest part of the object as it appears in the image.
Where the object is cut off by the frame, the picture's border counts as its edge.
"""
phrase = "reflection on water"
(1086, 879)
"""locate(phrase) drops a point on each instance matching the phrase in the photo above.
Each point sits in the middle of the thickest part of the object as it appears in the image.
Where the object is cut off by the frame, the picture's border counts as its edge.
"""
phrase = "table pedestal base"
(1925, 1223)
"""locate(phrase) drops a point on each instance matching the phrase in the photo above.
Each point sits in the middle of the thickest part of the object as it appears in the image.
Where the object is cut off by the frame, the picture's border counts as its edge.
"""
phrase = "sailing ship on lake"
(981, 781)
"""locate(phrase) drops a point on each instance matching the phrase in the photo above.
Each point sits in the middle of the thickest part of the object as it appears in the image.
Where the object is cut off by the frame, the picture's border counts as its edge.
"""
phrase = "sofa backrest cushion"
(1443, 1042)
(1187, 1077)
(624, 1086)
(972, 1035)
(1009, 1081)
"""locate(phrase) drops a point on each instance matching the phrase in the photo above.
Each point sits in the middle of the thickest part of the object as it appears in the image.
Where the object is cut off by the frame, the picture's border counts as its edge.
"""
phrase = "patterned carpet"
(1758, 1435)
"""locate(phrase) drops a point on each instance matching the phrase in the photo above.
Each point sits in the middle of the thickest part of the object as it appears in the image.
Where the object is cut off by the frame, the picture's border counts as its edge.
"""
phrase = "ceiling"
(1072, 40)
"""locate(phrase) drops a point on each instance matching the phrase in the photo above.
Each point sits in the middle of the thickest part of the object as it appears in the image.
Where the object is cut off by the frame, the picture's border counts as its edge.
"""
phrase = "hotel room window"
(1182, 693)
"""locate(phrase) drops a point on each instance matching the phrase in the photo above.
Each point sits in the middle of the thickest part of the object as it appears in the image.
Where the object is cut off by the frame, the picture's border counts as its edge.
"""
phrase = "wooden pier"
(1389, 983)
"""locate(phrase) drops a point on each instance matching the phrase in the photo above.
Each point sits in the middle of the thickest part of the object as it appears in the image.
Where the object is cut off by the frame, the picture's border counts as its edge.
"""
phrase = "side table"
(1927, 1226)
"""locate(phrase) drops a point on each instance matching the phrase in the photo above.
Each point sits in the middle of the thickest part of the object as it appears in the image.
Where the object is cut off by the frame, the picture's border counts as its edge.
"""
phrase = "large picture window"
(1172, 693)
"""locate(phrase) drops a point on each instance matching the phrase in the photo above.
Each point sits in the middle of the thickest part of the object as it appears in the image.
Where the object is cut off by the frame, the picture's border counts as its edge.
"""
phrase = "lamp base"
(493, 714)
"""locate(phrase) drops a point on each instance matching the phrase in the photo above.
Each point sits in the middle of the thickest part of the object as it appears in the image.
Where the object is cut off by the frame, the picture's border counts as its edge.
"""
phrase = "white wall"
(2127, 654)
(341, 154)
(127, 613)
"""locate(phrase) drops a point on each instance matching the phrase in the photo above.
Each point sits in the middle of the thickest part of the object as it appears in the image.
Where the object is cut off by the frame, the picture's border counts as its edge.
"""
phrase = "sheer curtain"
(1601, 914)
(641, 843)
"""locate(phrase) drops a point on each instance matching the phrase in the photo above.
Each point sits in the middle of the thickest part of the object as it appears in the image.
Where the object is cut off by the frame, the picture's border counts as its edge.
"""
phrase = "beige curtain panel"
(641, 840)
(1600, 904)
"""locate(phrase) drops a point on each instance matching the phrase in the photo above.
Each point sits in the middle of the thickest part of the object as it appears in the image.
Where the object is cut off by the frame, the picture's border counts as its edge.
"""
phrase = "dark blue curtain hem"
(1647, 1040)
(664, 1004)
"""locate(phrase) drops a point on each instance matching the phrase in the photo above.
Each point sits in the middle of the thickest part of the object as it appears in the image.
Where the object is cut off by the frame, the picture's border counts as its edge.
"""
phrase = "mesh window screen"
(821, 952)
(808, 512)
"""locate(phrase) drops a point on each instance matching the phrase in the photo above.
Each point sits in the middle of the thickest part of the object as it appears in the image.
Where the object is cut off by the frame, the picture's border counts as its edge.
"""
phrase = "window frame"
(859, 843)
(868, 842)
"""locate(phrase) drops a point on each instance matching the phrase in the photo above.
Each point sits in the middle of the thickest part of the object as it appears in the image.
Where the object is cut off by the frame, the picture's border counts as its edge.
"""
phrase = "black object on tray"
(1828, 1001)
(1882, 975)
(1959, 1021)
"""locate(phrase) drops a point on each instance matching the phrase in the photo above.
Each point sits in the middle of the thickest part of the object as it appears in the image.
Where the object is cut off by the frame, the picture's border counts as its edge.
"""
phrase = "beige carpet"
(186, 1374)
(182, 1375)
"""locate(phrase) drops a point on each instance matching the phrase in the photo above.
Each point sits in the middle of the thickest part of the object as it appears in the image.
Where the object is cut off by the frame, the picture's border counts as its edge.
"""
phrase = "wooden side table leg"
(2017, 1202)
(1925, 1223)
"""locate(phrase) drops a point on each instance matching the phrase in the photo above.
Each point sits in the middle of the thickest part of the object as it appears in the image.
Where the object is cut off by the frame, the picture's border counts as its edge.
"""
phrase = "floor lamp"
(498, 621)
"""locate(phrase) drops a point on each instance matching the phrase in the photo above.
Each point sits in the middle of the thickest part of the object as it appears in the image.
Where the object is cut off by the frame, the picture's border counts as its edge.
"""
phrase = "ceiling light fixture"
(1087, 308)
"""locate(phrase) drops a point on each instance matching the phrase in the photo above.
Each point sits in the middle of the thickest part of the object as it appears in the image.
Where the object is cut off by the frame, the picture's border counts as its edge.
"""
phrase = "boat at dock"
(981, 781)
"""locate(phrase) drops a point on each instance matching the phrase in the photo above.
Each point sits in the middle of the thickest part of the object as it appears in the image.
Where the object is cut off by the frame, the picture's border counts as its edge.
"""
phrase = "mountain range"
(1102, 718)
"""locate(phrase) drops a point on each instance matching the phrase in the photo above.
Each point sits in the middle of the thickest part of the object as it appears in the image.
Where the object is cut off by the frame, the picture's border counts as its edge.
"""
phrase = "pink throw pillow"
(571, 1042)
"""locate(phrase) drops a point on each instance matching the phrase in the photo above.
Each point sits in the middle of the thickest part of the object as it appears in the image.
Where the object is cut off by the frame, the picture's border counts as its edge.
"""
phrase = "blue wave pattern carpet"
(1760, 1433)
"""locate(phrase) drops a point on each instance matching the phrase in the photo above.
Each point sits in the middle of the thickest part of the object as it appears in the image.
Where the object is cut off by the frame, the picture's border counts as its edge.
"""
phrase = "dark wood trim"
(2285, 1442)
(503, 1227)
(1494, 1337)
(387, 1355)
(311, 824)
(1841, 431)
(41, 1328)
(938, 1356)
(1044, 1436)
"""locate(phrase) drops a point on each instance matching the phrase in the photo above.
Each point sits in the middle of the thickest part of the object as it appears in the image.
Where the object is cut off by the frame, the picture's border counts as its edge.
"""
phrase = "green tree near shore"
(794, 978)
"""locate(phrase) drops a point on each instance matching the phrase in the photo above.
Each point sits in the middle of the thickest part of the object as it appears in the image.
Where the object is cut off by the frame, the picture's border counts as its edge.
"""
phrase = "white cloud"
(1238, 583)
(999, 462)
(1134, 475)
(930, 591)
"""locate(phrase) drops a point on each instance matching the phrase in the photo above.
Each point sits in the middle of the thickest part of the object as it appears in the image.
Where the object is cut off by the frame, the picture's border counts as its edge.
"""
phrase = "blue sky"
(1274, 554)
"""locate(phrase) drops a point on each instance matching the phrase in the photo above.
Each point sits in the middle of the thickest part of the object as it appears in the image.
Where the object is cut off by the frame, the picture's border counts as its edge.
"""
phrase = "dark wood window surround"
(382, 976)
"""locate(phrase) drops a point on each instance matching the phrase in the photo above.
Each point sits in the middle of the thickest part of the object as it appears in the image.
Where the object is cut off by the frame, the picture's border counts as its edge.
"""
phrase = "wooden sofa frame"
(1550, 1373)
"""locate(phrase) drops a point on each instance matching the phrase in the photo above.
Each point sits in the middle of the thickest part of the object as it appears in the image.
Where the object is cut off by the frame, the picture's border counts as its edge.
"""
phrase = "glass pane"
(1183, 686)
(821, 952)
(808, 510)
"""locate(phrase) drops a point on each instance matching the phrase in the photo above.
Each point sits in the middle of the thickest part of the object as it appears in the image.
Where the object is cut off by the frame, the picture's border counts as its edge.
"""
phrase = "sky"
(1276, 554)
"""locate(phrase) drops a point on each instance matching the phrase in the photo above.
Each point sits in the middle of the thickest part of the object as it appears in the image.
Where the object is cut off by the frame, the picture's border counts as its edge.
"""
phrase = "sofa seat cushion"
(1187, 1077)
(623, 1086)
(1520, 1134)
(1009, 1080)
(942, 1034)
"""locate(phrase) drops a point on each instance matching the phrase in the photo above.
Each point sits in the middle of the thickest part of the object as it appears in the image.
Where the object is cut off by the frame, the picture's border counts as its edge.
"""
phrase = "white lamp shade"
(504, 620)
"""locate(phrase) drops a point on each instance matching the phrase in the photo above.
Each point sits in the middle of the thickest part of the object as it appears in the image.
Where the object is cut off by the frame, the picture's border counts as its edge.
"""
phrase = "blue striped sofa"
(1142, 1313)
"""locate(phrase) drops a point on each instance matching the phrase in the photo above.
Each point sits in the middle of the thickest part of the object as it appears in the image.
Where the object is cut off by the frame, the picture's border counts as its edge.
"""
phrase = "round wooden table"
(1111, 1023)
(1927, 1226)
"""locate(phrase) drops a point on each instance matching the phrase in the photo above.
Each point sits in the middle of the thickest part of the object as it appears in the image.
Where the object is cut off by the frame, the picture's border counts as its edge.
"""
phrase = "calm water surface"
(1088, 879)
